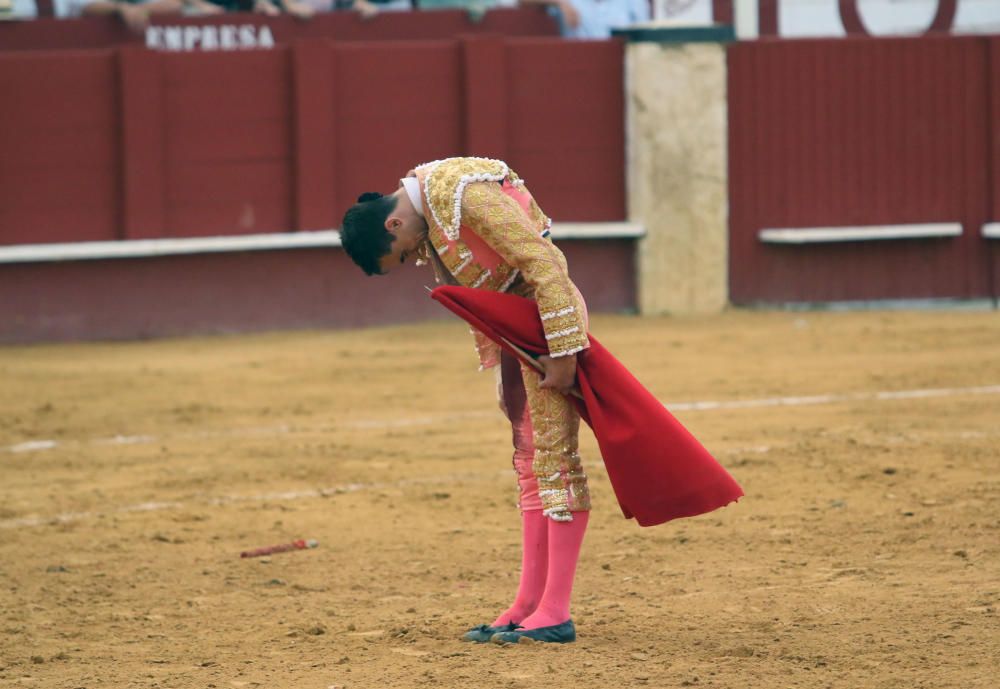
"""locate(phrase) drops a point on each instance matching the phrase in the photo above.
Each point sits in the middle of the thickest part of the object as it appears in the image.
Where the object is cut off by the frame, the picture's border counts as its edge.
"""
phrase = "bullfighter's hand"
(560, 372)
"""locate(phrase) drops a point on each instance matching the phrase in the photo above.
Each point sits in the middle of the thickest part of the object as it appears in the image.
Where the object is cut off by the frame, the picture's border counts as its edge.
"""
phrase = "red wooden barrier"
(143, 123)
(60, 165)
(858, 132)
(314, 89)
(256, 290)
(994, 123)
(565, 123)
(227, 140)
(993, 178)
(144, 144)
(391, 117)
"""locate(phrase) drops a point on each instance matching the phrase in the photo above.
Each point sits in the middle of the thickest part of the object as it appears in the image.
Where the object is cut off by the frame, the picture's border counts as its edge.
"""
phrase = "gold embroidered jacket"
(487, 230)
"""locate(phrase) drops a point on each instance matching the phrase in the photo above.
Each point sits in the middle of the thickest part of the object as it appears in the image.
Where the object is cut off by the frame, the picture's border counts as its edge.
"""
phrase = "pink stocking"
(565, 539)
(534, 559)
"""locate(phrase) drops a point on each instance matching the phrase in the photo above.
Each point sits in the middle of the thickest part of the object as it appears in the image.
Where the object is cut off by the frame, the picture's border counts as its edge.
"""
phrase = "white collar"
(412, 187)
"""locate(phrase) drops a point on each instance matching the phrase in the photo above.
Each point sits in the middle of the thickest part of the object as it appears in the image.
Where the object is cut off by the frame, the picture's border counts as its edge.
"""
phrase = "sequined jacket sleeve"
(501, 222)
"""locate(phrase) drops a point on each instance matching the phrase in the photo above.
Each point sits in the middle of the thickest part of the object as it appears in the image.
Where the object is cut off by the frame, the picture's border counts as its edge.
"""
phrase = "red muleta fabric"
(659, 471)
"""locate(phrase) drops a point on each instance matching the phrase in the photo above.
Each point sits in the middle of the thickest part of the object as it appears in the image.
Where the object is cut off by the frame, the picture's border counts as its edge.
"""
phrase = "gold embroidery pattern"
(538, 217)
(562, 483)
(501, 222)
(487, 349)
(445, 182)
(458, 259)
(460, 263)
(445, 185)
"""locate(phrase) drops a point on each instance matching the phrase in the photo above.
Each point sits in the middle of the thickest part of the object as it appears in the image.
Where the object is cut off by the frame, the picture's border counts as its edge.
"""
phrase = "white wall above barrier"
(829, 18)
(825, 18)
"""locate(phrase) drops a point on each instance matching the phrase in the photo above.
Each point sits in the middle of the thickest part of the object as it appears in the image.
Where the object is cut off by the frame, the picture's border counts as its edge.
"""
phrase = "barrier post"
(676, 166)
(484, 95)
(142, 134)
(314, 132)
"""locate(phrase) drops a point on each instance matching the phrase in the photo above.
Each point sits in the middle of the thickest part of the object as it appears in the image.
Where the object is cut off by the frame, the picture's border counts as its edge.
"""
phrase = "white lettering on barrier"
(227, 37)
(173, 38)
(248, 38)
(265, 39)
(192, 37)
(209, 37)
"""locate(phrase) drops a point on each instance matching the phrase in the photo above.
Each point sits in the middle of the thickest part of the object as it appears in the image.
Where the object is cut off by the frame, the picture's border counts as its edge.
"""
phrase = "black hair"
(363, 234)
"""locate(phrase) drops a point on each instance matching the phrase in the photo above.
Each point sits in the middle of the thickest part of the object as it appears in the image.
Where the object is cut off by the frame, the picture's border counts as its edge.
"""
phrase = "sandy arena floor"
(865, 554)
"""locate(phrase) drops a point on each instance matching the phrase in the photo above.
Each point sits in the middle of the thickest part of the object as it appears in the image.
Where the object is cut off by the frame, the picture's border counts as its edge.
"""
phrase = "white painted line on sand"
(883, 396)
(219, 500)
(331, 491)
(441, 479)
(247, 432)
(378, 424)
(32, 445)
(126, 440)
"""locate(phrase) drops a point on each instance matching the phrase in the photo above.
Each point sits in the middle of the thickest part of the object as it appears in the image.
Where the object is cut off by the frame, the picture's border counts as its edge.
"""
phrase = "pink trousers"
(546, 428)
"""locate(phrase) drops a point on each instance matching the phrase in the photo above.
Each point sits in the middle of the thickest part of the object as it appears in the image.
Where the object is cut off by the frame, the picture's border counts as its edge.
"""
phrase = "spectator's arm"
(266, 7)
(135, 16)
(570, 15)
(299, 10)
(203, 7)
(366, 9)
(163, 7)
(101, 7)
(639, 11)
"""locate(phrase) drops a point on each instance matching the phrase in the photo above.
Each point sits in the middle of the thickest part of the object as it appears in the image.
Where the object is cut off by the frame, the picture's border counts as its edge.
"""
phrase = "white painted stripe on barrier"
(991, 230)
(861, 233)
(320, 239)
(148, 248)
(364, 424)
(598, 230)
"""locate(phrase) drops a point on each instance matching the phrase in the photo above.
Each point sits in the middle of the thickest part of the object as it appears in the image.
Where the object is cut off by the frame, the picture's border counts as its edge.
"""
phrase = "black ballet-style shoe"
(484, 632)
(556, 634)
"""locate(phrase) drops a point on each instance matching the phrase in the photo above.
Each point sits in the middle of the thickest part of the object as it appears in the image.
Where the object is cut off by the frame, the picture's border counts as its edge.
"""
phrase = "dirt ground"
(866, 552)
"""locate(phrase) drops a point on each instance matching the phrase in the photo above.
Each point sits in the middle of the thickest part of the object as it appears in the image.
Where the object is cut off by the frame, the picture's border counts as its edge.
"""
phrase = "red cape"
(659, 471)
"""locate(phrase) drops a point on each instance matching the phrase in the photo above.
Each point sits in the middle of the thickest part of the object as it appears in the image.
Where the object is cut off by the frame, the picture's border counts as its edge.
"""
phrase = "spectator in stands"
(594, 18)
(475, 8)
(370, 8)
(297, 8)
(135, 14)
(18, 9)
(304, 9)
